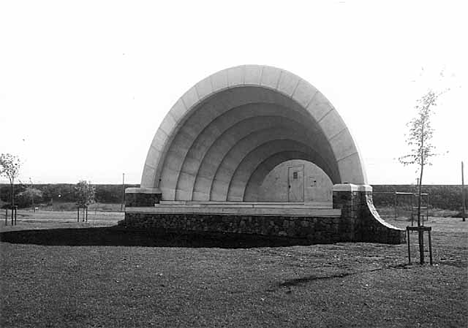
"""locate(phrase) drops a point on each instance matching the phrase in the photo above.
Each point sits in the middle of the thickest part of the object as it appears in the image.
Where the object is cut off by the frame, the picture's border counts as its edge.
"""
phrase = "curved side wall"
(355, 203)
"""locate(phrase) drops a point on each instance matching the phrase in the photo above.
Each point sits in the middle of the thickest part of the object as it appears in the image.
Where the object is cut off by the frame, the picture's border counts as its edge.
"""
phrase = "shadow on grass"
(118, 236)
(305, 280)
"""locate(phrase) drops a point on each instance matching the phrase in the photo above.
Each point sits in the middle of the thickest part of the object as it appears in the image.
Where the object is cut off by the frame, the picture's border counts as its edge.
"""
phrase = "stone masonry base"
(359, 221)
(313, 229)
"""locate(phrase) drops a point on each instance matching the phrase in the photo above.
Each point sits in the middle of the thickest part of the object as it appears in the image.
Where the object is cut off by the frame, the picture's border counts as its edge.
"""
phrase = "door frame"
(301, 166)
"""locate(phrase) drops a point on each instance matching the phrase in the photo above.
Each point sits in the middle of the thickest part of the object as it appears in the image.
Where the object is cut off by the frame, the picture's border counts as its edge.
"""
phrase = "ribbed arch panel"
(225, 133)
(223, 158)
(212, 143)
(212, 115)
(222, 148)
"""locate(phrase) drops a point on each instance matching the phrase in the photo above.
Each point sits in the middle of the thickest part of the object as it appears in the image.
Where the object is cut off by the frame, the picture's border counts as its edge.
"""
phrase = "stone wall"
(313, 229)
(142, 197)
(359, 220)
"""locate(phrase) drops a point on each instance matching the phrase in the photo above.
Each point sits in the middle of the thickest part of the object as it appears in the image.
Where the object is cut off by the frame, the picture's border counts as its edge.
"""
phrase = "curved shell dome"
(225, 134)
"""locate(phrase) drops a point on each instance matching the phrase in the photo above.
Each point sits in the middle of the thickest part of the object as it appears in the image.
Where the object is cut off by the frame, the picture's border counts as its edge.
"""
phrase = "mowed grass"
(45, 219)
(179, 281)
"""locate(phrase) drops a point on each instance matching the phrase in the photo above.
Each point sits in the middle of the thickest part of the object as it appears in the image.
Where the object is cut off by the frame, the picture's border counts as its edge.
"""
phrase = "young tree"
(84, 195)
(9, 167)
(421, 148)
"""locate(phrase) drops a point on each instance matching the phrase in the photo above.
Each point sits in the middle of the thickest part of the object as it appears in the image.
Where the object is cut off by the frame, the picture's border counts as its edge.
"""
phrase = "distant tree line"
(445, 197)
(26, 195)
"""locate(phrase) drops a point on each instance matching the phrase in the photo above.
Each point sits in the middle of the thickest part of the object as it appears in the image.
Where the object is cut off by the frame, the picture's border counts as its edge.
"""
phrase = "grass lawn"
(56, 272)
(45, 219)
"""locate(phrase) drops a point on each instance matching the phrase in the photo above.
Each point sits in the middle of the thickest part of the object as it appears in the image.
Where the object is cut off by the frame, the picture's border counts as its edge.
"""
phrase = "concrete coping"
(351, 187)
(143, 191)
(238, 211)
(247, 204)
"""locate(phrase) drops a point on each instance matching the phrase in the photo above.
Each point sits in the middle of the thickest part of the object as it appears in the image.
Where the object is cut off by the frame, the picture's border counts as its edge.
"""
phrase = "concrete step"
(237, 210)
(249, 204)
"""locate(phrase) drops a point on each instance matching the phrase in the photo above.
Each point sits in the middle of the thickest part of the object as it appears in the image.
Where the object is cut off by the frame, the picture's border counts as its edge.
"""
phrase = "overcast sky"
(84, 85)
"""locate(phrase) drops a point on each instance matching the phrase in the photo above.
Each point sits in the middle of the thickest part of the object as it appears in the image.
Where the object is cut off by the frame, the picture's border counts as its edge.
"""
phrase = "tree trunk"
(420, 231)
(12, 203)
(463, 193)
(12, 193)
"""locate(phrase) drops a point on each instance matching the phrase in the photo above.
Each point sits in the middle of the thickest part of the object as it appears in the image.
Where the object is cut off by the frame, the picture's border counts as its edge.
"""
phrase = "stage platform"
(313, 209)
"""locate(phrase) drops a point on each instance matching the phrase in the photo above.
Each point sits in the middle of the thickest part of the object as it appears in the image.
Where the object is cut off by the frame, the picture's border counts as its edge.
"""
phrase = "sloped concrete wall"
(355, 203)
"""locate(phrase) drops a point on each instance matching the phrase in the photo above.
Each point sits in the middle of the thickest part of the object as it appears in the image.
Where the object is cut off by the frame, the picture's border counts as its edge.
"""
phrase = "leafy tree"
(30, 194)
(9, 167)
(421, 148)
(84, 193)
